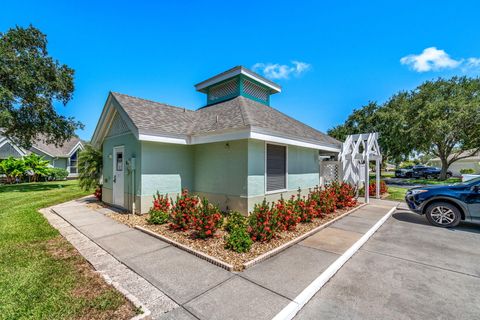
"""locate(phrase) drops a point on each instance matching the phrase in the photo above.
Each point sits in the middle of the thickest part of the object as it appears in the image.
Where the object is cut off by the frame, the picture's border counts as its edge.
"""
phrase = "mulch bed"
(215, 246)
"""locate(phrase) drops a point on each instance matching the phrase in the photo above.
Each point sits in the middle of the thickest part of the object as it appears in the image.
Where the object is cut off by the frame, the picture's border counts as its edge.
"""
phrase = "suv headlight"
(417, 191)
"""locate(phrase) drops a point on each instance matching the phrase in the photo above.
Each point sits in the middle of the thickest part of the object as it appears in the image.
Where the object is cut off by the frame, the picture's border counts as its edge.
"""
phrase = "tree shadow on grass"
(31, 187)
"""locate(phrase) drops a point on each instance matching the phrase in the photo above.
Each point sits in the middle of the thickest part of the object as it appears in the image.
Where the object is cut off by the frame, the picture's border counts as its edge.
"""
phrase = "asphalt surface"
(407, 270)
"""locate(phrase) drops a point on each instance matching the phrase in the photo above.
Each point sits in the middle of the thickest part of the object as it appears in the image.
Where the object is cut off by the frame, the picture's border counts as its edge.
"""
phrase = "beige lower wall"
(274, 197)
(225, 202)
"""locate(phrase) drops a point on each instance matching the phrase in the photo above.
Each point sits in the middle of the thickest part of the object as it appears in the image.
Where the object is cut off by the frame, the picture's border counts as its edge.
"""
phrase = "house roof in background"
(63, 151)
(475, 157)
(156, 118)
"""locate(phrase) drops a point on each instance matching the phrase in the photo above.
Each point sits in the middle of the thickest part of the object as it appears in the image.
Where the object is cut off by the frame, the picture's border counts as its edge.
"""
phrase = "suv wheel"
(443, 214)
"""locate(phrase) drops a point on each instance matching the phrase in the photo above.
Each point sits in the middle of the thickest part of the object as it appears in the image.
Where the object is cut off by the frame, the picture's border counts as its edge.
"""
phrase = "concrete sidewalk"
(204, 291)
(407, 270)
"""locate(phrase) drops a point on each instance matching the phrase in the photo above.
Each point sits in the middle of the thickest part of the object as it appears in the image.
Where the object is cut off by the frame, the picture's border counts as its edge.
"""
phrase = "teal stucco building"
(236, 150)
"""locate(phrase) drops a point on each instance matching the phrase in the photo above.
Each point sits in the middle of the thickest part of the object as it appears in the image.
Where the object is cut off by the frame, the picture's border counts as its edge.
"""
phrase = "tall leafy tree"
(439, 117)
(446, 119)
(31, 81)
(90, 163)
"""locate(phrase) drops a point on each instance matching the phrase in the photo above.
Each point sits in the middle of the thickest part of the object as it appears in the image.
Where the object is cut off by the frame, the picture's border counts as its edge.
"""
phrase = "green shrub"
(235, 220)
(58, 174)
(467, 171)
(238, 240)
(158, 217)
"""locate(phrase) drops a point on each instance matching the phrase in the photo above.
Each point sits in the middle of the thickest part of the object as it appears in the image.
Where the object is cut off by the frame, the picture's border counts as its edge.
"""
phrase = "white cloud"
(431, 59)
(473, 62)
(281, 71)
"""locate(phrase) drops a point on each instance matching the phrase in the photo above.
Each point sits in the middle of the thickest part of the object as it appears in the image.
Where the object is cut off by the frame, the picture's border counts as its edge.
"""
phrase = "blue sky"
(329, 56)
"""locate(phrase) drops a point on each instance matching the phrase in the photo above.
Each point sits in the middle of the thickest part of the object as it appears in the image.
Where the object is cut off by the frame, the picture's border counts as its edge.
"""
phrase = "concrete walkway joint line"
(297, 304)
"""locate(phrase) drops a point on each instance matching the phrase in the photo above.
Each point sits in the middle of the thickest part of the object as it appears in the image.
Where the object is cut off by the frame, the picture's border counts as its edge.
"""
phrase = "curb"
(196, 253)
(256, 260)
(292, 242)
(297, 304)
(146, 313)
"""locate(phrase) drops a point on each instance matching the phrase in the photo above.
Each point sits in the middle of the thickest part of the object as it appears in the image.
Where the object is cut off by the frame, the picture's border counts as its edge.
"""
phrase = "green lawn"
(41, 275)
(396, 193)
(432, 181)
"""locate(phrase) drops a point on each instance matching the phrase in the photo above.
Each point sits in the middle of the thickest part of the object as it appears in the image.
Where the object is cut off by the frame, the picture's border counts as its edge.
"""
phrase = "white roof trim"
(237, 135)
(48, 154)
(234, 72)
(147, 137)
(79, 145)
(276, 139)
(14, 146)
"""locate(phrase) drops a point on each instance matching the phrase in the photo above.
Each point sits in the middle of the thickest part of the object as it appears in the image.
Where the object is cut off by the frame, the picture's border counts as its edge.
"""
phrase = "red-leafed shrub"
(326, 202)
(372, 188)
(305, 207)
(344, 194)
(263, 222)
(98, 193)
(287, 215)
(182, 212)
(206, 220)
(160, 211)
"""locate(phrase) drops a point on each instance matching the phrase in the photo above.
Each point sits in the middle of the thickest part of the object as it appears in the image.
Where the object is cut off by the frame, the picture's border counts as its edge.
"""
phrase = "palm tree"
(90, 162)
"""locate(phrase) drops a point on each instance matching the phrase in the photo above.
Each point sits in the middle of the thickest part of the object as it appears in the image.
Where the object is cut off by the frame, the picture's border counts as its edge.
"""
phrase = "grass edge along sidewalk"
(41, 274)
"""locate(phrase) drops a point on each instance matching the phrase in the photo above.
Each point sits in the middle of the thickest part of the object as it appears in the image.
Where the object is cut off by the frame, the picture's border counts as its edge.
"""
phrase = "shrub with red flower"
(372, 188)
(344, 194)
(263, 222)
(160, 211)
(326, 202)
(305, 207)
(206, 220)
(98, 193)
(182, 212)
(287, 215)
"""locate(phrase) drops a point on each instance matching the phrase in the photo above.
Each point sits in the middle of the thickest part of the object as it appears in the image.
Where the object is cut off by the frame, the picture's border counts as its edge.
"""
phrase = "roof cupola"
(238, 81)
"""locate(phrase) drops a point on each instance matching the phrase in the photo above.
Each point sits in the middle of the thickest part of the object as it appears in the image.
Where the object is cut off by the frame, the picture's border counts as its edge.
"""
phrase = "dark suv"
(445, 206)
(428, 173)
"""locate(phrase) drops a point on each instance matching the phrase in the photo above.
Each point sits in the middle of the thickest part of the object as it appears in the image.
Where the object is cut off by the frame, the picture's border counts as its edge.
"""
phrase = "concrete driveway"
(407, 270)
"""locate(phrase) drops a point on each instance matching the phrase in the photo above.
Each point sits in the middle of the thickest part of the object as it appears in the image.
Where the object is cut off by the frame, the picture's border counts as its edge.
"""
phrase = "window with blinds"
(276, 167)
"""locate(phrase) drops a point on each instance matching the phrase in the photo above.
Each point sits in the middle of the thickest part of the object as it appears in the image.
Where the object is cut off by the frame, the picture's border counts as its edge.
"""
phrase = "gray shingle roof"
(239, 113)
(60, 151)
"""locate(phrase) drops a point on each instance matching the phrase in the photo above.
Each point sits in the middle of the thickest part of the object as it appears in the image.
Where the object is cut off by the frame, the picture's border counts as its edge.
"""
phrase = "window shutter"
(276, 167)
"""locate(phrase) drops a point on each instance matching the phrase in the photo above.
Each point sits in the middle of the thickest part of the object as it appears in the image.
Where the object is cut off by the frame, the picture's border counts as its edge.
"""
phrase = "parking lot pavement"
(407, 270)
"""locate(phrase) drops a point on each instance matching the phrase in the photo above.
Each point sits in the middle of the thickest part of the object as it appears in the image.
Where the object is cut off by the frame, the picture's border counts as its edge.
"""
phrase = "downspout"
(133, 185)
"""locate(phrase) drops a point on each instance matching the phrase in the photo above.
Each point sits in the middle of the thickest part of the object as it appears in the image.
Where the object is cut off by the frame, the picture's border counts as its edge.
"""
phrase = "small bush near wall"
(206, 220)
(235, 220)
(263, 222)
(467, 171)
(160, 212)
(238, 239)
(57, 174)
(98, 193)
(183, 210)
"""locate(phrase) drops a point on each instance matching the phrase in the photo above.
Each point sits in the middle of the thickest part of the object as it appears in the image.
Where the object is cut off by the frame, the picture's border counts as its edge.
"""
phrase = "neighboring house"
(64, 157)
(472, 162)
(236, 150)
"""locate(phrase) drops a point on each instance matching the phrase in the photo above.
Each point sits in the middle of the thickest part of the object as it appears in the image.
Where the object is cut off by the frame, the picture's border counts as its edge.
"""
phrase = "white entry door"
(118, 175)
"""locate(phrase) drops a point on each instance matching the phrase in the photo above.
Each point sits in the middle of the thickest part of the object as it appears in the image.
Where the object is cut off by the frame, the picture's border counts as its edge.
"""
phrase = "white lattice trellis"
(330, 171)
(357, 152)
(225, 89)
(254, 90)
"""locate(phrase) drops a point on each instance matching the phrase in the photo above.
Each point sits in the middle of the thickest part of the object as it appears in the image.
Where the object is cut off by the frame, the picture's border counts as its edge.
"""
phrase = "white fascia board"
(153, 138)
(277, 139)
(48, 154)
(226, 136)
(77, 146)
(235, 72)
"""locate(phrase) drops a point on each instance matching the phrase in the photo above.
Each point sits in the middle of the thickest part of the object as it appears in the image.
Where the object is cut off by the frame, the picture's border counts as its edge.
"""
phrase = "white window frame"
(265, 168)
